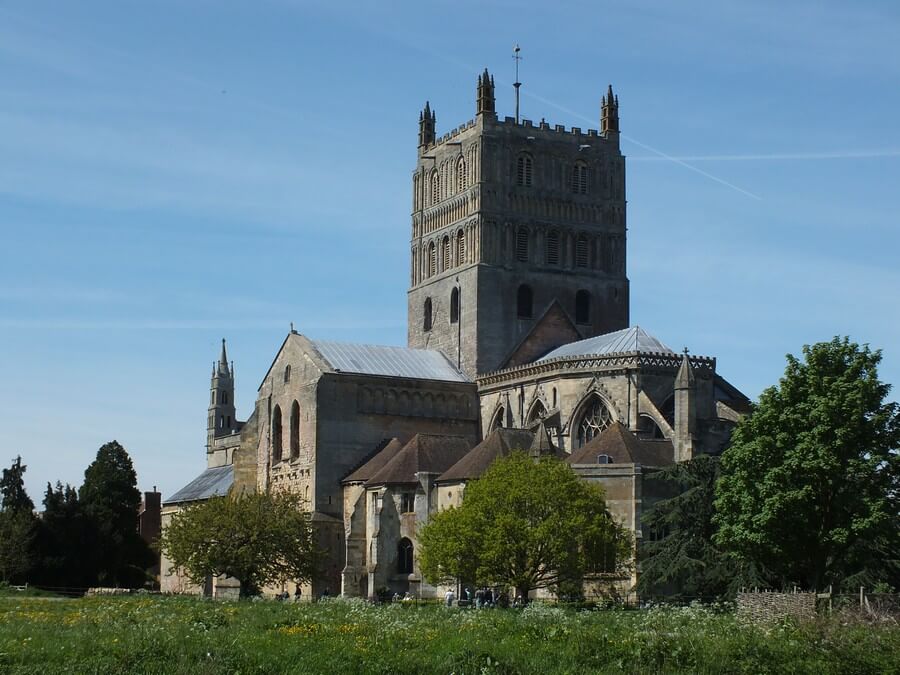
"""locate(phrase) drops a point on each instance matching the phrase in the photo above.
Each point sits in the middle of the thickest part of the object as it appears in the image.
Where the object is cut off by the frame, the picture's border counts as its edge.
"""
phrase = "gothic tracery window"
(461, 175)
(580, 178)
(276, 435)
(552, 247)
(595, 419)
(524, 166)
(445, 254)
(295, 430)
(460, 247)
(432, 260)
(435, 187)
(405, 556)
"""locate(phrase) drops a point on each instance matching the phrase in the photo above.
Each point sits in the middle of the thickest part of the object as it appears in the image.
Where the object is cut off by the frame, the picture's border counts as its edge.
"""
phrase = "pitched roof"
(214, 482)
(623, 447)
(424, 453)
(384, 452)
(499, 443)
(634, 339)
(424, 364)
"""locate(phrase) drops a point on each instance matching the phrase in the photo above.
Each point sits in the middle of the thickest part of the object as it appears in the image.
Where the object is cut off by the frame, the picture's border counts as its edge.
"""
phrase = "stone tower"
(220, 420)
(518, 236)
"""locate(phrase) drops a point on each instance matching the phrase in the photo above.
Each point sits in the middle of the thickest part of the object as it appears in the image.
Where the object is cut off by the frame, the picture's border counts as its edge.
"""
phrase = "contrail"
(661, 155)
(778, 156)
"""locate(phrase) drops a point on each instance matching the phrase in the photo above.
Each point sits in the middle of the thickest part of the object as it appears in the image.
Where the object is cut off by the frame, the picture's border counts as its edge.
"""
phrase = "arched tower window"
(287, 374)
(460, 248)
(454, 305)
(462, 181)
(595, 418)
(445, 254)
(524, 170)
(295, 430)
(432, 260)
(552, 248)
(435, 187)
(581, 251)
(426, 315)
(404, 556)
(524, 302)
(276, 435)
(522, 245)
(580, 178)
(583, 307)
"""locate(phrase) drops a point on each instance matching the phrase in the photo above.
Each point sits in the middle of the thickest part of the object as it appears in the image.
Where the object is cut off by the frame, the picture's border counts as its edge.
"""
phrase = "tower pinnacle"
(485, 103)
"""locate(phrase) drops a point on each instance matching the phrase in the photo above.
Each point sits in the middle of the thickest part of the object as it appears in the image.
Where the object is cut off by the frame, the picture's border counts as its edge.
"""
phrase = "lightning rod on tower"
(517, 84)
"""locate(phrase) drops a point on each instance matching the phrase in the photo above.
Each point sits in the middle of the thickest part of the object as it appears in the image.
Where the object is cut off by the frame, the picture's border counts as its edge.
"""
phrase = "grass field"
(152, 634)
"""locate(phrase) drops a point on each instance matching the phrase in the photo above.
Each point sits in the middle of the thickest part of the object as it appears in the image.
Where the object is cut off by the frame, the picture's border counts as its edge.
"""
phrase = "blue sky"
(176, 172)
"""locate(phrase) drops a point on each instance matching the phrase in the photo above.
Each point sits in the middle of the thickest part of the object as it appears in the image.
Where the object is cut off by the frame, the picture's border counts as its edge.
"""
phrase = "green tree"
(18, 525)
(677, 555)
(528, 525)
(110, 499)
(809, 484)
(256, 538)
(13, 496)
(65, 531)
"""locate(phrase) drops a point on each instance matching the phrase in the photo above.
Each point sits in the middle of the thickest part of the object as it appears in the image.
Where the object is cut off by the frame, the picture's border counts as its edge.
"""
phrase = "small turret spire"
(485, 102)
(427, 122)
(609, 113)
(685, 377)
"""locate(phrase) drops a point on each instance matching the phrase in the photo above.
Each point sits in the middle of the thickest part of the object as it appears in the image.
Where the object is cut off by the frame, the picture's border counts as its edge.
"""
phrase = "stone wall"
(763, 607)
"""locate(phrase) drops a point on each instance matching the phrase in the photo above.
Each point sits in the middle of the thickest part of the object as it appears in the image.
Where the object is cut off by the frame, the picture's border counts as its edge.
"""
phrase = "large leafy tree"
(17, 524)
(256, 538)
(110, 499)
(64, 534)
(678, 558)
(528, 525)
(809, 484)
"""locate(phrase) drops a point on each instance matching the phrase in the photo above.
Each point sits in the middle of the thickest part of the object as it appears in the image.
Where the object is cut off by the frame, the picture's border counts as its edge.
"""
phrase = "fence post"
(862, 598)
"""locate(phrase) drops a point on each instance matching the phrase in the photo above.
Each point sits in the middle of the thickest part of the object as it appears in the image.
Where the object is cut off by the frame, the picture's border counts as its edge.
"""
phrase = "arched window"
(460, 248)
(445, 254)
(580, 178)
(604, 459)
(404, 556)
(522, 245)
(435, 187)
(581, 251)
(295, 430)
(524, 302)
(432, 260)
(426, 315)
(554, 397)
(552, 248)
(461, 176)
(498, 419)
(276, 435)
(537, 413)
(454, 305)
(287, 374)
(524, 170)
(583, 307)
(594, 419)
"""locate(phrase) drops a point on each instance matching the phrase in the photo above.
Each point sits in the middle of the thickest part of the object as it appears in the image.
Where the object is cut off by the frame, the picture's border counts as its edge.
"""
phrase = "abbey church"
(518, 339)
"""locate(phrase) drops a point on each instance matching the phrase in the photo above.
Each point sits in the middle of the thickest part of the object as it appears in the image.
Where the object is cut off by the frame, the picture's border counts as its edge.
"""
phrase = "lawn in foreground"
(153, 634)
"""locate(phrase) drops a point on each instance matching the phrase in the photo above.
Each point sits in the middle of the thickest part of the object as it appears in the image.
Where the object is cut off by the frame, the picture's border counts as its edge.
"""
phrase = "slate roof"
(213, 482)
(499, 443)
(623, 447)
(424, 453)
(383, 454)
(424, 364)
(634, 339)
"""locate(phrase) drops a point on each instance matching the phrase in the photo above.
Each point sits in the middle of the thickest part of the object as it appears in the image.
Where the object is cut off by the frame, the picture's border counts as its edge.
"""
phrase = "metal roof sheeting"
(634, 339)
(213, 482)
(423, 364)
